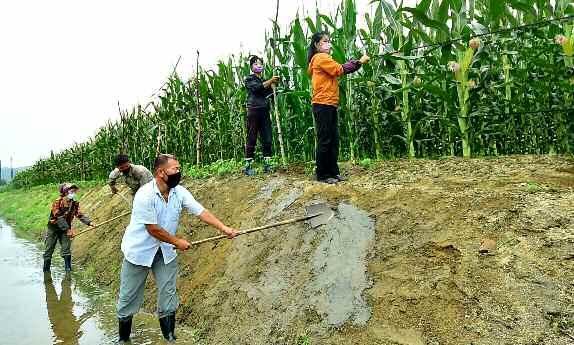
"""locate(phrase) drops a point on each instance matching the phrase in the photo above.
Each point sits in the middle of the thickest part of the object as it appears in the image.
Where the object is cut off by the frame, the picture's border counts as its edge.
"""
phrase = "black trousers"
(327, 141)
(258, 124)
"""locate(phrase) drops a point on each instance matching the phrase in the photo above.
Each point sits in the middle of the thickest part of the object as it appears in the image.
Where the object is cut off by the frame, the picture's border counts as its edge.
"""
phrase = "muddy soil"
(399, 264)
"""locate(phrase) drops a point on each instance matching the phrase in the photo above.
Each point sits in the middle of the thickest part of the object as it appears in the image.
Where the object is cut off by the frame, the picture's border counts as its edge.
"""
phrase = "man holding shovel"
(149, 243)
(64, 209)
(134, 175)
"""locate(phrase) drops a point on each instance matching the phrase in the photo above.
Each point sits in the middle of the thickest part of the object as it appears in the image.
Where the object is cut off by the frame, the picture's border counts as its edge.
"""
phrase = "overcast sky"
(65, 64)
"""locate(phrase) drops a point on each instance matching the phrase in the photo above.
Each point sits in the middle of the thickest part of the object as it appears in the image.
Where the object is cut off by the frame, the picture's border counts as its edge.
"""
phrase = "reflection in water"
(79, 315)
(65, 326)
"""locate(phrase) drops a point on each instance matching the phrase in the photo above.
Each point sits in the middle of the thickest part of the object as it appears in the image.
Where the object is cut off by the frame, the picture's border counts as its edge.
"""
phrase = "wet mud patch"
(340, 268)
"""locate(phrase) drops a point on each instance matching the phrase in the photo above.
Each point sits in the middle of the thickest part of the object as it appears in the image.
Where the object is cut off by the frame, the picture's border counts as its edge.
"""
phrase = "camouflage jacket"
(135, 178)
(63, 212)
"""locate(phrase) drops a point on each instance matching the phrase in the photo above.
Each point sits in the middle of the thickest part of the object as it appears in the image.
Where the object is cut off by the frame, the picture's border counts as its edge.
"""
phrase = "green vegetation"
(447, 77)
(303, 340)
(28, 209)
(367, 163)
(217, 168)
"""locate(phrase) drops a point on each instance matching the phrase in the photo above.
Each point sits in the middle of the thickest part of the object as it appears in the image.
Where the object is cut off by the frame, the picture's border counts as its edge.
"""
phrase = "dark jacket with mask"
(257, 93)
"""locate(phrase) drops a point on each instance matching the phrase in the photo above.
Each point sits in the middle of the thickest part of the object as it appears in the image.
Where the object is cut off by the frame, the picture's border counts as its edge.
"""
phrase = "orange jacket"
(324, 72)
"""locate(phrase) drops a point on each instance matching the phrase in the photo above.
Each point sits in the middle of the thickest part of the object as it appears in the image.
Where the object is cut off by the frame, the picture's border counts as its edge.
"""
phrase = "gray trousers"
(54, 235)
(132, 285)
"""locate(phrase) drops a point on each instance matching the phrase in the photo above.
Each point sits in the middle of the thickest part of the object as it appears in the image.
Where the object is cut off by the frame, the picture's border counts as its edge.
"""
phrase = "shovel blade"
(322, 210)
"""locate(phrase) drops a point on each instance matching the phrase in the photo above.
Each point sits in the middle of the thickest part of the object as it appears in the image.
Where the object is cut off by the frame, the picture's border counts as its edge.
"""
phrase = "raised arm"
(334, 69)
(255, 85)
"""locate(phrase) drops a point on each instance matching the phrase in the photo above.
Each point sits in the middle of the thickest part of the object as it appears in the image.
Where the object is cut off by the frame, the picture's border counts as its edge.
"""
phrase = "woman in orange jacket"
(324, 72)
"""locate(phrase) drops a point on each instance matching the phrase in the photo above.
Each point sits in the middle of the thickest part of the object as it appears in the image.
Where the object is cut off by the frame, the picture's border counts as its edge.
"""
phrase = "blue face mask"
(71, 196)
(257, 69)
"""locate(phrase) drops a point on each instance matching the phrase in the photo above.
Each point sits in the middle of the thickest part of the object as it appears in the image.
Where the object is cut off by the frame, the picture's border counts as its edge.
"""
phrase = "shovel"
(317, 215)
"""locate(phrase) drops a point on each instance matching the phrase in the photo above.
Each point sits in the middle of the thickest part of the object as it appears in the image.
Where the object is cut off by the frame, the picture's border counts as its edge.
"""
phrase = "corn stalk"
(275, 106)
(200, 120)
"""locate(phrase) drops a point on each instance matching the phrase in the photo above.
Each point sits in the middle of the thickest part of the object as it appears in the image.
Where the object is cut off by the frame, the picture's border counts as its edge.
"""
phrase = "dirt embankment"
(399, 264)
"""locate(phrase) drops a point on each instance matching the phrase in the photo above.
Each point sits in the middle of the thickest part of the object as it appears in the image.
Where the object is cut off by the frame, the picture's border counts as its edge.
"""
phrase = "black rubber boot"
(167, 325)
(68, 263)
(47, 265)
(124, 329)
(172, 325)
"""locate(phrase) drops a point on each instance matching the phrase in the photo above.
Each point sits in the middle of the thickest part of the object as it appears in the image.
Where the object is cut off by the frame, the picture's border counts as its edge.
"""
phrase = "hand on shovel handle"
(230, 232)
(182, 244)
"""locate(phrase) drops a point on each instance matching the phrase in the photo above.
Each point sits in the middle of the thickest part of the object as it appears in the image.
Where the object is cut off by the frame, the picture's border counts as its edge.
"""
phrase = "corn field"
(446, 78)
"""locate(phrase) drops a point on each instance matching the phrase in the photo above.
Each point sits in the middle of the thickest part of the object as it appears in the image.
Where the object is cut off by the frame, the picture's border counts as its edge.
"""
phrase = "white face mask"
(71, 196)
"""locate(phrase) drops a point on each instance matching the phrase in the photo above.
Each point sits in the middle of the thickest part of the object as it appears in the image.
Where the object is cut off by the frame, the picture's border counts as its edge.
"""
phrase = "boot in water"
(68, 263)
(124, 329)
(47, 265)
(167, 325)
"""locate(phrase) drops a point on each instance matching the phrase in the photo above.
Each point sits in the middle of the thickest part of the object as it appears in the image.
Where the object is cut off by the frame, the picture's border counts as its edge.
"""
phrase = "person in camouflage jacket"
(64, 210)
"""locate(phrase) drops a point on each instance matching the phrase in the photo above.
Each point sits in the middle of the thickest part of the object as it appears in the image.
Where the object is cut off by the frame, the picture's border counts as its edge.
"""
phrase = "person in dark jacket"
(258, 119)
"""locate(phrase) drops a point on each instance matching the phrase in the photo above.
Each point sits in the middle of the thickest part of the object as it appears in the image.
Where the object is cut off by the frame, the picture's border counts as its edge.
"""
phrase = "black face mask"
(126, 172)
(173, 180)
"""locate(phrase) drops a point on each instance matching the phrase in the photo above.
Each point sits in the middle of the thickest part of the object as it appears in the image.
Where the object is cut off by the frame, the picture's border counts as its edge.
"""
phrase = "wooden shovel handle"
(264, 227)
(103, 223)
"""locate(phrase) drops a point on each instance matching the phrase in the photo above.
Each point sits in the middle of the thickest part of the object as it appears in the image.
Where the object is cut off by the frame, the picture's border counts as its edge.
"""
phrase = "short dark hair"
(161, 160)
(121, 159)
(253, 59)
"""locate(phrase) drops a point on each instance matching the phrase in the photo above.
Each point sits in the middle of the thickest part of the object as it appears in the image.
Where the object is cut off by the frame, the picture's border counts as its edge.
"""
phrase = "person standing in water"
(64, 210)
(324, 71)
(258, 118)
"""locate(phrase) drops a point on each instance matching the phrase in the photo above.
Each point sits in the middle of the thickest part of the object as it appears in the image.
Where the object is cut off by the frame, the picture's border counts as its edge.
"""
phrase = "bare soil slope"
(399, 264)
